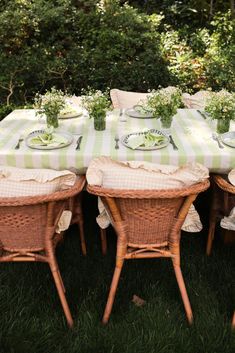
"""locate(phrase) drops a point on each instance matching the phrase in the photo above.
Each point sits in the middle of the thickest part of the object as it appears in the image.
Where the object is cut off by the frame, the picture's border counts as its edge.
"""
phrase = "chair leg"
(233, 321)
(183, 292)
(112, 292)
(59, 287)
(82, 237)
(61, 281)
(210, 237)
(103, 238)
(78, 219)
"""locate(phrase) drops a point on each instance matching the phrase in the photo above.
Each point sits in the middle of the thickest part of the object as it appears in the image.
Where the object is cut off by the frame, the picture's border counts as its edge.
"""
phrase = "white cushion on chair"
(125, 99)
(112, 174)
(195, 101)
(136, 175)
(229, 222)
(231, 176)
(29, 182)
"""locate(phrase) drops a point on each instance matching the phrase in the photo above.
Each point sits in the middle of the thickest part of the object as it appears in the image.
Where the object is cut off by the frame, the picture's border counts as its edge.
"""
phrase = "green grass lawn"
(32, 320)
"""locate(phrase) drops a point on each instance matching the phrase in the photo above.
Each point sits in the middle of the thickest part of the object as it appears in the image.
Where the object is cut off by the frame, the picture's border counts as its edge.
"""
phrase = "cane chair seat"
(28, 227)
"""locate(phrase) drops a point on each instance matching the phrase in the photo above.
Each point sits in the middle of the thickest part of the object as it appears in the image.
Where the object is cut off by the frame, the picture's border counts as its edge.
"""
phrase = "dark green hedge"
(73, 44)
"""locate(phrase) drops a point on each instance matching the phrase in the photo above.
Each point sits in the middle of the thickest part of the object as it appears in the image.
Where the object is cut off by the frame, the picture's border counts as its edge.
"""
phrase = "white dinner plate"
(133, 113)
(74, 114)
(228, 138)
(125, 138)
(66, 135)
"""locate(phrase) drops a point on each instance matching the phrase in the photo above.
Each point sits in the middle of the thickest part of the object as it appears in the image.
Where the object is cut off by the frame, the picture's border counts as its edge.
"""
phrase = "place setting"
(48, 139)
(145, 140)
(70, 111)
(140, 112)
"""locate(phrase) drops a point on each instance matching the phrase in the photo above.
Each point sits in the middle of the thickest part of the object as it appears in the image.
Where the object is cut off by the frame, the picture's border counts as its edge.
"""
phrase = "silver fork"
(21, 139)
(116, 139)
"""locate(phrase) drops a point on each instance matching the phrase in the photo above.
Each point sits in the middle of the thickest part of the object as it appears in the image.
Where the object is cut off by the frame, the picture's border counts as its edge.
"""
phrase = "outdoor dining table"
(190, 131)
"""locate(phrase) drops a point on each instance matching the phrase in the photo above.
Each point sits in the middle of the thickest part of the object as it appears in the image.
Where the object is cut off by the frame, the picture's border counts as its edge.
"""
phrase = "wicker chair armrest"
(149, 194)
(55, 196)
(224, 184)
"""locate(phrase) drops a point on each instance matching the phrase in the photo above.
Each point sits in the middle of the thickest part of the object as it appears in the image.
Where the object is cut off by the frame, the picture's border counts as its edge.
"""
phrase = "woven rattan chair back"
(22, 228)
(28, 230)
(148, 224)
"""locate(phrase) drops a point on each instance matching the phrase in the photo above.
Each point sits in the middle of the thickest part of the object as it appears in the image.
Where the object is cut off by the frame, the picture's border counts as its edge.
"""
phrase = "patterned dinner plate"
(66, 135)
(134, 113)
(126, 140)
(228, 138)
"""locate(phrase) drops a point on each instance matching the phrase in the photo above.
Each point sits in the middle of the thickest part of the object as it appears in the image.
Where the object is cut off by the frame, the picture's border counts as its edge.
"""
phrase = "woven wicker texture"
(159, 214)
(148, 224)
(27, 229)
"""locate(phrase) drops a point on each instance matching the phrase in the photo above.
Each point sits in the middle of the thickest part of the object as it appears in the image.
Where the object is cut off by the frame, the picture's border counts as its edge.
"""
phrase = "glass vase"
(166, 124)
(222, 125)
(52, 120)
(99, 123)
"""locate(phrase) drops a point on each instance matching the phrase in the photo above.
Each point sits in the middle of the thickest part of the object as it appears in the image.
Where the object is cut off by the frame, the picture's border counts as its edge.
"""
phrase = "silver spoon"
(216, 138)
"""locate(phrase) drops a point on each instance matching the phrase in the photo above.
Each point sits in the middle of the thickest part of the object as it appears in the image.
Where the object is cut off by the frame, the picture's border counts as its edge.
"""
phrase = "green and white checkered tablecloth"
(191, 133)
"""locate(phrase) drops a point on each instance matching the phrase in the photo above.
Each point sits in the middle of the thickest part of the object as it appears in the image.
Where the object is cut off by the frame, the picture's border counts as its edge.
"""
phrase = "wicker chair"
(148, 223)
(223, 199)
(27, 231)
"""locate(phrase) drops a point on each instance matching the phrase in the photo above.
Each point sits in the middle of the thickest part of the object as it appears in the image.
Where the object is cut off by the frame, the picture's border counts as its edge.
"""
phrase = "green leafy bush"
(78, 44)
(5, 110)
(220, 54)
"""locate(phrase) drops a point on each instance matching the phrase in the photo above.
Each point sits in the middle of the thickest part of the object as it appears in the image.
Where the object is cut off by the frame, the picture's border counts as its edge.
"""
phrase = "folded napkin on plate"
(48, 140)
(146, 139)
(69, 110)
(142, 109)
(136, 141)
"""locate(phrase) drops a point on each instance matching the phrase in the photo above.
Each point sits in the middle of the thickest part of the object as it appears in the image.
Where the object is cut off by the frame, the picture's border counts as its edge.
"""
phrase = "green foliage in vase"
(96, 103)
(221, 105)
(50, 103)
(165, 102)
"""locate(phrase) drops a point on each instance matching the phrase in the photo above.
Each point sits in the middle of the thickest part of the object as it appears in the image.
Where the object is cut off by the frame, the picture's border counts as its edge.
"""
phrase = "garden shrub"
(75, 44)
